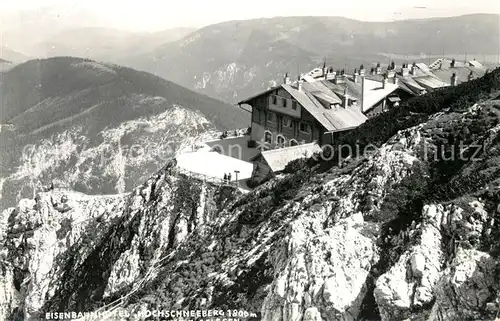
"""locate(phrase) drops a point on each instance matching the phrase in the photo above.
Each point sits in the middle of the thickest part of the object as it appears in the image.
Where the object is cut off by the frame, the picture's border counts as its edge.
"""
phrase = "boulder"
(417, 265)
(312, 314)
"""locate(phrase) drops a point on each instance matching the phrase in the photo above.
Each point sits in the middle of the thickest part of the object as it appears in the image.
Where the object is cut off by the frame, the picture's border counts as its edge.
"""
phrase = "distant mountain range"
(104, 44)
(236, 59)
(100, 128)
(233, 60)
(12, 56)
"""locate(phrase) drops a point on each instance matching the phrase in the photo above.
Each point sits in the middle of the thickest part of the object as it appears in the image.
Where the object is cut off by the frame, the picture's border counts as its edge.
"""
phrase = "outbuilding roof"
(277, 159)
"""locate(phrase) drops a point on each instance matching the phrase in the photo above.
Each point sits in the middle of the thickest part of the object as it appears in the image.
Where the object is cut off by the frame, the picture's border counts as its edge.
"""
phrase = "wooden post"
(236, 178)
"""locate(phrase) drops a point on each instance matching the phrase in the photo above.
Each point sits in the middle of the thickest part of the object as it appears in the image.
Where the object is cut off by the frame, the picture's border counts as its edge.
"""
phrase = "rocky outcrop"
(322, 274)
(467, 289)
(410, 286)
(37, 240)
(49, 244)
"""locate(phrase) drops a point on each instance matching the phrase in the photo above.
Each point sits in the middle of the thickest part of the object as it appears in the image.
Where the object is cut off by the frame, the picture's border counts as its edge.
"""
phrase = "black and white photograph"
(226, 160)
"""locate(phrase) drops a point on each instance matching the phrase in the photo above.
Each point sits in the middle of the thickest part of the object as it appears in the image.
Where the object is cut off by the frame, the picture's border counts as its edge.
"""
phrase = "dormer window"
(284, 102)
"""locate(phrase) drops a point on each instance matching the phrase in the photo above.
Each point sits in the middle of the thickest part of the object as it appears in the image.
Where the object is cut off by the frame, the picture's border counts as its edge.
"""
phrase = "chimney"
(339, 77)
(454, 79)
(405, 71)
(299, 82)
(391, 73)
(324, 69)
(395, 80)
(471, 76)
(331, 74)
(287, 79)
(452, 64)
(362, 70)
(379, 69)
(392, 66)
(346, 98)
(413, 69)
(356, 76)
(372, 71)
(384, 82)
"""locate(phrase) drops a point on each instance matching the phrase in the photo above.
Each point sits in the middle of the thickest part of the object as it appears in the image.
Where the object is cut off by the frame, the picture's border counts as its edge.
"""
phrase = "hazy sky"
(150, 15)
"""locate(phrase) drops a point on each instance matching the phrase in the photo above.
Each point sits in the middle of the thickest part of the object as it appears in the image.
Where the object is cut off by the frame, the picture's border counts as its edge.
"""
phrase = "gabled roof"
(277, 159)
(401, 82)
(422, 66)
(431, 82)
(404, 86)
(375, 93)
(334, 119)
(246, 101)
(375, 77)
(320, 90)
(411, 83)
(353, 89)
(476, 64)
(462, 73)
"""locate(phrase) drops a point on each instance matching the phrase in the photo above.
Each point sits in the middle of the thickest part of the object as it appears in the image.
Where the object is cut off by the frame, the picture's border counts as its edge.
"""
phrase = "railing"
(206, 178)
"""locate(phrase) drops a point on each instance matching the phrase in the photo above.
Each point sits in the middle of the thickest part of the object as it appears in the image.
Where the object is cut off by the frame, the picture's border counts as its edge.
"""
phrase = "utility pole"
(236, 178)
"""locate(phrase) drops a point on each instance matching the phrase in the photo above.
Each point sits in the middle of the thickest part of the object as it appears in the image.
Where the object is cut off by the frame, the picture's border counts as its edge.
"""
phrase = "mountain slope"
(393, 234)
(97, 127)
(236, 59)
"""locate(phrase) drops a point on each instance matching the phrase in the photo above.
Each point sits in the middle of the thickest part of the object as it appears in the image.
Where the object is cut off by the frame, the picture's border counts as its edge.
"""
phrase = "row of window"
(284, 102)
(287, 122)
(280, 140)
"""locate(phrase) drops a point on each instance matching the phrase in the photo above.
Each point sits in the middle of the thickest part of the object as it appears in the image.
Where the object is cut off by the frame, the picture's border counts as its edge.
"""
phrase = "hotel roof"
(462, 73)
(332, 119)
(353, 88)
(431, 82)
(320, 90)
(374, 92)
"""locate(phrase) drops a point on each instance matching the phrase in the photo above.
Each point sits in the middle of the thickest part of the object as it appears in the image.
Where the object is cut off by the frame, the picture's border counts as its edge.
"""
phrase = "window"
(287, 122)
(293, 142)
(272, 117)
(268, 137)
(294, 105)
(274, 100)
(284, 102)
(304, 127)
(280, 141)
